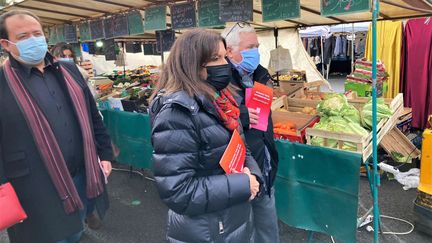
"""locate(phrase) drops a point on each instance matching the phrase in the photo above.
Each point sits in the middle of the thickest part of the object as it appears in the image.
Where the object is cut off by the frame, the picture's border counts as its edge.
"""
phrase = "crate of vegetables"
(305, 98)
(281, 104)
(292, 125)
(347, 126)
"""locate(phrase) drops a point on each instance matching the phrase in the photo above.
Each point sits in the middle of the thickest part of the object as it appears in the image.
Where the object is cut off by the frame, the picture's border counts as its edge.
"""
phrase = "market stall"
(307, 173)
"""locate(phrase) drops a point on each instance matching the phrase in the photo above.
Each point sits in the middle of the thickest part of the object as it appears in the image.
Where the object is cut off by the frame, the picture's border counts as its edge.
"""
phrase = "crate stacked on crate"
(291, 81)
(360, 80)
(363, 144)
(290, 124)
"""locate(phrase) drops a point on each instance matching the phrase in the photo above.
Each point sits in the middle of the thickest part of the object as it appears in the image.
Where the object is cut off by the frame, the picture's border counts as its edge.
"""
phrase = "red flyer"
(260, 98)
(233, 159)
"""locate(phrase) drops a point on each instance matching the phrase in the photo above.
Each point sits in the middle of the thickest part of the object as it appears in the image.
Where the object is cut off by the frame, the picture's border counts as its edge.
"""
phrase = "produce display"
(337, 105)
(309, 110)
(337, 115)
(285, 128)
(293, 75)
(132, 87)
(383, 111)
(312, 96)
(143, 74)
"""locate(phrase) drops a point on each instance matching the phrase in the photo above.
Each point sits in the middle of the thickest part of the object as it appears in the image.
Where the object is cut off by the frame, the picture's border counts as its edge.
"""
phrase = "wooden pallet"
(363, 143)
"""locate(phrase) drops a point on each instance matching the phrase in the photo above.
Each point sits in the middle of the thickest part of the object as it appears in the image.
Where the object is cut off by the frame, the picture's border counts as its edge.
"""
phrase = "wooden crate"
(296, 99)
(396, 141)
(363, 143)
(290, 87)
(282, 102)
(302, 121)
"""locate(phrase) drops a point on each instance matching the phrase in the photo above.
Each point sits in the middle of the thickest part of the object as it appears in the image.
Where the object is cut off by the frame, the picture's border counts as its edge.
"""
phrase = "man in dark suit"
(242, 52)
(57, 153)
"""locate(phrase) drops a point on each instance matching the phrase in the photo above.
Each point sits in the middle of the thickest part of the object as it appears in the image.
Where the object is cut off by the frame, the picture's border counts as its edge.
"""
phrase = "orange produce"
(285, 128)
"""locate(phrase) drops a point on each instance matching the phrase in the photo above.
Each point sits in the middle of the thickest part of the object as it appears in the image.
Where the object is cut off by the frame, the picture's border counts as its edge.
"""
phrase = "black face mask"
(219, 76)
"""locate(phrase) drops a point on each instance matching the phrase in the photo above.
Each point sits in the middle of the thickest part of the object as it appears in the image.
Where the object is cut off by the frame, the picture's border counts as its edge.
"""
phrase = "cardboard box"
(364, 89)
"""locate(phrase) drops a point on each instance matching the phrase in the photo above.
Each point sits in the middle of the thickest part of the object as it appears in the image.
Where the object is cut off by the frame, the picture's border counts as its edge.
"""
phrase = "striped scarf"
(48, 146)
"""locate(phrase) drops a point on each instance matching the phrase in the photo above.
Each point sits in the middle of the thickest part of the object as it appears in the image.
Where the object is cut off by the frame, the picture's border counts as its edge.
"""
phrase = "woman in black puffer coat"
(193, 118)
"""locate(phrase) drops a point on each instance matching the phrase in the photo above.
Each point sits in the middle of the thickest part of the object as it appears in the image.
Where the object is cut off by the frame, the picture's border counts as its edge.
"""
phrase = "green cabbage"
(383, 111)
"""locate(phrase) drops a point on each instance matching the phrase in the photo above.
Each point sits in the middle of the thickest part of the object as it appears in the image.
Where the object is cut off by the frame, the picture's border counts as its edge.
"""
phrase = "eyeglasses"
(239, 24)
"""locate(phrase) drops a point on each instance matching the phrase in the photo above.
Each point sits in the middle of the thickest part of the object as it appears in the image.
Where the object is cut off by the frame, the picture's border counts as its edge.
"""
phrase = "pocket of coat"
(16, 165)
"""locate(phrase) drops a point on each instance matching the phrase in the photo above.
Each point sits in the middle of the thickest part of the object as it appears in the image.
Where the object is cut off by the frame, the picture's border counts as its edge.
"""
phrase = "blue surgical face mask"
(66, 59)
(250, 60)
(32, 50)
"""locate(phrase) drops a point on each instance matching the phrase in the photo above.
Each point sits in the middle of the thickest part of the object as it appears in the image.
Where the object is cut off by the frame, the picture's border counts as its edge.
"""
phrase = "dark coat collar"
(193, 104)
(26, 69)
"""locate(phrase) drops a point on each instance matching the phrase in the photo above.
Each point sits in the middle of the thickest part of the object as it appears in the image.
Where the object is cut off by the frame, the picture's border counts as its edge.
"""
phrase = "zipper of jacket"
(221, 227)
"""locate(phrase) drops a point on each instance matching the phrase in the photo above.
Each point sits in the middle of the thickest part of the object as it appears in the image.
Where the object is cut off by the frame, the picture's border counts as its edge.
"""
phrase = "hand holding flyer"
(260, 98)
(233, 159)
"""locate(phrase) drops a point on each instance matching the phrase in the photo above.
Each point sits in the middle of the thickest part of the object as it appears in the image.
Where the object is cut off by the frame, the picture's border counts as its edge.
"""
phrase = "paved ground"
(137, 214)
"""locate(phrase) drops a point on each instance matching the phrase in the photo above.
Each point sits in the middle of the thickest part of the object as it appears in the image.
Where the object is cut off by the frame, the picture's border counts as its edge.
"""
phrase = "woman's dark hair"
(59, 48)
(184, 67)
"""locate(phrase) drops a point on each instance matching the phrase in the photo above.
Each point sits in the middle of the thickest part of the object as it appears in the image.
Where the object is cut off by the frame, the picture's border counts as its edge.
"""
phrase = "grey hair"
(233, 32)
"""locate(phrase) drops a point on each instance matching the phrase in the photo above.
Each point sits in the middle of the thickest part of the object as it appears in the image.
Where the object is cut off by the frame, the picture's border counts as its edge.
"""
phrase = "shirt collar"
(26, 69)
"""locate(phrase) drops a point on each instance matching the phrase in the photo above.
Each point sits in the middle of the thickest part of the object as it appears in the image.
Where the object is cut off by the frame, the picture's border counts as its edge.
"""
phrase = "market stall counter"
(320, 178)
(130, 132)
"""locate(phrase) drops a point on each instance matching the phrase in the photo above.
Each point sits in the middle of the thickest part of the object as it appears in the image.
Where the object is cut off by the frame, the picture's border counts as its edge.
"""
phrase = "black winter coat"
(23, 167)
(256, 139)
(206, 205)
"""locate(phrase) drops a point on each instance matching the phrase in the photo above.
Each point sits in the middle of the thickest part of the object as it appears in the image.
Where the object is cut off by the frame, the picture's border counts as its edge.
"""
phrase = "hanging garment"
(329, 45)
(344, 46)
(360, 46)
(280, 60)
(389, 45)
(338, 46)
(417, 70)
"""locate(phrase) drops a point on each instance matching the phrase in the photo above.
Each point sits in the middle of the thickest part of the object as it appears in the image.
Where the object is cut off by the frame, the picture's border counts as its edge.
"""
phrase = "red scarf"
(227, 109)
(47, 143)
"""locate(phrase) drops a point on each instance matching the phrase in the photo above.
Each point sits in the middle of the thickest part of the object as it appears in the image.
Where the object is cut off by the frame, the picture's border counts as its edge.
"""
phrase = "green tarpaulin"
(316, 188)
(130, 132)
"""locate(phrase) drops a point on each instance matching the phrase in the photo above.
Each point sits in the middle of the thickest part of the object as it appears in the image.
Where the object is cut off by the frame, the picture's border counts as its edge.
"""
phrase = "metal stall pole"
(352, 48)
(276, 35)
(376, 178)
(322, 57)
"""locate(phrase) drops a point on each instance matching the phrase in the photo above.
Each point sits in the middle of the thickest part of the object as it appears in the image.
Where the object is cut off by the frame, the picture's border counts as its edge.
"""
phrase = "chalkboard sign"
(70, 33)
(121, 25)
(109, 27)
(337, 7)
(155, 18)
(235, 10)
(133, 47)
(52, 40)
(76, 47)
(135, 23)
(208, 14)
(183, 16)
(97, 29)
(164, 39)
(110, 50)
(60, 34)
(84, 30)
(273, 10)
(150, 49)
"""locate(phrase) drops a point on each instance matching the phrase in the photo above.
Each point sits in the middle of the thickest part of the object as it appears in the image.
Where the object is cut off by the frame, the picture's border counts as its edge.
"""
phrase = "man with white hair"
(242, 52)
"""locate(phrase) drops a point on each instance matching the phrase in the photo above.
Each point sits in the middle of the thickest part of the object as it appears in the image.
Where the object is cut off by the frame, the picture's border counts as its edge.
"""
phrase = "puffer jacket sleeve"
(176, 162)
